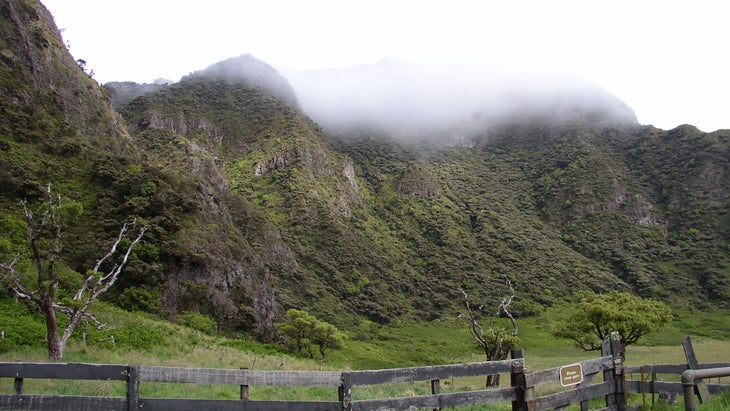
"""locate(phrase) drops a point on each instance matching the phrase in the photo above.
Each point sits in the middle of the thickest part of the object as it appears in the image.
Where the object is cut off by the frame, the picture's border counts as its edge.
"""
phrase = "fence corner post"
(345, 391)
(612, 346)
(518, 381)
(132, 388)
(702, 391)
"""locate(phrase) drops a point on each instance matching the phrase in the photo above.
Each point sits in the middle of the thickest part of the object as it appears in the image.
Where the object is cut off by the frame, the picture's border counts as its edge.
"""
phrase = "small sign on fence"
(571, 375)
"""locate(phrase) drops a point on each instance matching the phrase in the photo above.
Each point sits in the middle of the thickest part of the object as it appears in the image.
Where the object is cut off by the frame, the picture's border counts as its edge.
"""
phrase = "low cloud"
(408, 99)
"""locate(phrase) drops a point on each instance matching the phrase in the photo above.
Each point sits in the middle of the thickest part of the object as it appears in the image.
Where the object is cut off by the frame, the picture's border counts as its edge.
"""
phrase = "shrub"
(197, 321)
(139, 299)
(20, 326)
(138, 336)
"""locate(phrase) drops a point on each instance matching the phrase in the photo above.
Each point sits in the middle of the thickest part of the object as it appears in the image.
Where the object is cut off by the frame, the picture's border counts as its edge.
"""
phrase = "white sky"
(668, 60)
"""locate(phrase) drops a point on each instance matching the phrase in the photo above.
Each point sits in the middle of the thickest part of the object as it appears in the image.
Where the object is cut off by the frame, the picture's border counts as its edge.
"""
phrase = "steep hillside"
(308, 230)
(559, 208)
(260, 169)
(58, 127)
(687, 174)
(607, 192)
(50, 110)
(252, 208)
(56, 123)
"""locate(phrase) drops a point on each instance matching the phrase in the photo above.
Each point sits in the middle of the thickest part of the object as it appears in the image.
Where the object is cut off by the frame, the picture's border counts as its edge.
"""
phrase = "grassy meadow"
(144, 340)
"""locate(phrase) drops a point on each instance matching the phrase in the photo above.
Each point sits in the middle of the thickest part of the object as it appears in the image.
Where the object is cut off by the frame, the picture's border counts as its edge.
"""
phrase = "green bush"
(197, 321)
(139, 299)
(20, 326)
(134, 336)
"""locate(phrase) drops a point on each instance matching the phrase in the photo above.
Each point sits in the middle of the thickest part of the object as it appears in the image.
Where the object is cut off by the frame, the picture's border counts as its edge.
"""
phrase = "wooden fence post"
(436, 389)
(653, 388)
(132, 388)
(608, 375)
(244, 387)
(612, 346)
(693, 364)
(345, 391)
(18, 385)
(518, 381)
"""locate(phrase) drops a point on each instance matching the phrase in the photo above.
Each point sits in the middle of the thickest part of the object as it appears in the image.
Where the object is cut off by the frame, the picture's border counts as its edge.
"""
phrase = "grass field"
(371, 346)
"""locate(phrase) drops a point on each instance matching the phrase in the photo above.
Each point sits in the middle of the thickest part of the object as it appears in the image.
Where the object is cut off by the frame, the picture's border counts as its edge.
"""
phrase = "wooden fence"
(664, 379)
(573, 383)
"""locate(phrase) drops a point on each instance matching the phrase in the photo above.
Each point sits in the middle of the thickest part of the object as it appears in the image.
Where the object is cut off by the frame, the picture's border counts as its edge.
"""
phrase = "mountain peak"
(248, 68)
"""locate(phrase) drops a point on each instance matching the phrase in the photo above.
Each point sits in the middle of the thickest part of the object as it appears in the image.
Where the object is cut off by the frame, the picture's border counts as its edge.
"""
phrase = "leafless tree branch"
(44, 239)
(494, 342)
(103, 282)
(504, 305)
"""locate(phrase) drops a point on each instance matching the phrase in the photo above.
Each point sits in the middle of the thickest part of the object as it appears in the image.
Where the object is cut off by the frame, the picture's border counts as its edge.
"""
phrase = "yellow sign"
(571, 375)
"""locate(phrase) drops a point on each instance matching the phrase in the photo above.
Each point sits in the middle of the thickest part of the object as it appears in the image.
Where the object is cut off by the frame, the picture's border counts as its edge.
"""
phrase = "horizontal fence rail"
(134, 375)
(399, 375)
(65, 371)
(437, 401)
(434, 374)
(240, 377)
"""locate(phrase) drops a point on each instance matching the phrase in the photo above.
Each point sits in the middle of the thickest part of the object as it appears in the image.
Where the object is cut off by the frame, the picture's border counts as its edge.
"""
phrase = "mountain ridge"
(254, 208)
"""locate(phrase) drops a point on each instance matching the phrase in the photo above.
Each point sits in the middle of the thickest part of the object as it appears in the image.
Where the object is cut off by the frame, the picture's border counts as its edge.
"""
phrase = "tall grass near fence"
(143, 339)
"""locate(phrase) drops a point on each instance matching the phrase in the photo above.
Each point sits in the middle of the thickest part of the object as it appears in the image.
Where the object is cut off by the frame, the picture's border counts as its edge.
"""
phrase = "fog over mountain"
(409, 99)
(250, 69)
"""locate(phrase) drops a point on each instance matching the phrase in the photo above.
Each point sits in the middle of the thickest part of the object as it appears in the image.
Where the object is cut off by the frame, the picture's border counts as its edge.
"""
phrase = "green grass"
(142, 339)
(718, 403)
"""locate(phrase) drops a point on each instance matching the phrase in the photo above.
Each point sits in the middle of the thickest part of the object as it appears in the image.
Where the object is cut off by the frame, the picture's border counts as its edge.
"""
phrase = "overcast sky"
(667, 60)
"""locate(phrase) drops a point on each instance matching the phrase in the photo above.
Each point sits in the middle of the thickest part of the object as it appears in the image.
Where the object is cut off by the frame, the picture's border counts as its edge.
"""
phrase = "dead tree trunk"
(495, 342)
(45, 229)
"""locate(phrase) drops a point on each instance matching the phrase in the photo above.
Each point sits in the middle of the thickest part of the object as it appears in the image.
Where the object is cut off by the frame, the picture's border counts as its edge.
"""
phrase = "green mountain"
(253, 207)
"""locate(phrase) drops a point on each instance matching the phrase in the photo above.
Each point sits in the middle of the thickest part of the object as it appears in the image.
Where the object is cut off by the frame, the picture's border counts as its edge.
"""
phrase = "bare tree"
(44, 239)
(496, 342)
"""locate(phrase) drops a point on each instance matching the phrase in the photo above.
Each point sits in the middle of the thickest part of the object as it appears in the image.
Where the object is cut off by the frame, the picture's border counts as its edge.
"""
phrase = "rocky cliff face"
(38, 72)
(254, 158)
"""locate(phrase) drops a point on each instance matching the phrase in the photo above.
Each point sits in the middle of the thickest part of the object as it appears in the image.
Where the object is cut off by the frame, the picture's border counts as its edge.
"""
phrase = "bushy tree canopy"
(597, 315)
(301, 329)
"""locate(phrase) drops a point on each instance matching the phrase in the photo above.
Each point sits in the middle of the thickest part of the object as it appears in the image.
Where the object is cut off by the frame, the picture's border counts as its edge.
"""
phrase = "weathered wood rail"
(603, 377)
(433, 374)
(342, 381)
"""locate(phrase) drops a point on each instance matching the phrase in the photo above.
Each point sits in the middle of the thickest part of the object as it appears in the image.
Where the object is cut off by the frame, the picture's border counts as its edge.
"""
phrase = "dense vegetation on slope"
(561, 208)
(252, 208)
(57, 126)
